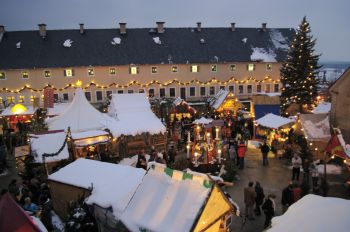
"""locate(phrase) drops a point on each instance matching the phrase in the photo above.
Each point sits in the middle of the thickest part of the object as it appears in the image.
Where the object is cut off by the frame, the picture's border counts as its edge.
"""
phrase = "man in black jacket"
(287, 197)
(269, 209)
(265, 151)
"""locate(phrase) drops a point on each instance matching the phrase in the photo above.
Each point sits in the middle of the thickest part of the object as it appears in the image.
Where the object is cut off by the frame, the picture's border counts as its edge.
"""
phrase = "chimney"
(160, 27)
(42, 30)
(122, 28)
(81, 25)
(199, 26)
(263, 26)
(2, 32)
(233, 26)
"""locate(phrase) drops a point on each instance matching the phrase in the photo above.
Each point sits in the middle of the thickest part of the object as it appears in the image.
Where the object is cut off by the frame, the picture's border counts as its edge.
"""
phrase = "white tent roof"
(113, 184)
(8, 111)
(219, 98)
(58, 108)
(203, 120)
(323, 108)
(49, 143)
(316, 126)
(133, 115)
(314, 214)
(273, 121)
(80, 116)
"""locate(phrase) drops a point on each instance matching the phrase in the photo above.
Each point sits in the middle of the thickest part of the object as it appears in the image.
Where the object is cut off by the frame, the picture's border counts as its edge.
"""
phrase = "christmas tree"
(299, 71)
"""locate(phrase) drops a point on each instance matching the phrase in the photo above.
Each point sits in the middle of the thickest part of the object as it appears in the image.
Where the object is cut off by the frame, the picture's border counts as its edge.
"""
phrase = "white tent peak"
(203, 120)
(273, 121)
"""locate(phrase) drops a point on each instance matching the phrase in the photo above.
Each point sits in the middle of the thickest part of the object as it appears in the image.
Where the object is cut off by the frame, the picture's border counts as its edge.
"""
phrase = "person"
(287, 197)
(46, 215)
(160, 158)
(265, 151)
(171, 154)
(296, 192)
(306, 169)
(305, 188)
(314, 175)
(233, 153)
(269, 209)
(242, 148)
(13, 188)
(259, 198)
(249, 200)
(324, 187)
(141, 160)
(30, 206)
(296, 163)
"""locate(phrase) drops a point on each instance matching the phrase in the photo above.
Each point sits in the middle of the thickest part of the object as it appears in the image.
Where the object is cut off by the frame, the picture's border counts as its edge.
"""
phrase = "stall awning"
(316, 126)
(91, 141)
(274, 121)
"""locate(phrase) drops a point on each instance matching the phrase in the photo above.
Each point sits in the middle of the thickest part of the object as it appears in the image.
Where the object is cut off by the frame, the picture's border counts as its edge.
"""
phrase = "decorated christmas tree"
(299, 71)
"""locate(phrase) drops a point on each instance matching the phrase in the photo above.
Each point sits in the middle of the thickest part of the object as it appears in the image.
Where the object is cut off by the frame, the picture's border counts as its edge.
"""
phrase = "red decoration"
(48, 98)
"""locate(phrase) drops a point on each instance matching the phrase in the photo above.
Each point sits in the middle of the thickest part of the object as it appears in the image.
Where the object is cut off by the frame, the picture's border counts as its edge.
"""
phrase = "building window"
(172, 92)
(68, 72)
(112, 71)
(25, 75)
(231, 88)
(276, 88)
(99, 96)
(268, 67)
(21, 99)
(192, 91)
(65, 97)
(212, 90)
(232, 67)
(203, 91)
(267, 88)
(249, 89)
(134, 70)
(151, 93)
(2, 76)
(183, 92)
(88, 96)
(240, 89)
(130, 91)
(258, 88)
(250, 67)
(141, 90)
(109, 94)
(214, 68)
(174, 69)
(91, 72)
(55, 97)
(194, 68)
(47, 73)
(222, 87)
(10, 100)
(120, 91)
(162, 92)
(154, 70)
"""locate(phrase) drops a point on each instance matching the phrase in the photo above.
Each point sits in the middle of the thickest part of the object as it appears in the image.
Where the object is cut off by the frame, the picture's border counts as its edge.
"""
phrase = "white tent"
(323, 108)
(58, 108)
(203, 120)
(80, 116)
(133, 115)
(314, 214)
(316, 126)
(274, 121)
(26, 110)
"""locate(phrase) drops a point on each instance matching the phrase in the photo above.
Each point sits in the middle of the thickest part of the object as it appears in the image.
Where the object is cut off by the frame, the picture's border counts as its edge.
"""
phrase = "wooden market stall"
(226, 103)
(180, 110)
(18, 113)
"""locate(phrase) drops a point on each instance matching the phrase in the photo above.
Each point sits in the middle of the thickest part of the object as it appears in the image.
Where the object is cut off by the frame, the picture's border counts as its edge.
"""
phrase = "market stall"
(18, 113)
(181, 110)
(226, 103)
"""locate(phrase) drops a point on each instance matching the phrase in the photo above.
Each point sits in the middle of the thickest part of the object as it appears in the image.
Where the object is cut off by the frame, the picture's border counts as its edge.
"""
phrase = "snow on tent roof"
(316, 126)
(80, 116)
(203, 120)
(113, 184)
(273, 121)
(162, 203)
(49, 143)
(133, 115)
(9, 112)
(219, 98)
(313, 214)
(58, 108)
(322, 108)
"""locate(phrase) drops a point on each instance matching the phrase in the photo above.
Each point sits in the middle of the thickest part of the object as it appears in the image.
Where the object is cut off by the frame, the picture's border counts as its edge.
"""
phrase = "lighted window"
(249, 89)
(251, 67)
(21, 99)
(267, 88)
(130, 91)
(25, 75)
(112, 71)
(162, 92)
(214, 68)
(194, 68)
(88, 96)
(90, 72)
(258, 88)
(172, 92)
(231, 88)
(68, 72)
(276, 88)
(141, 90)
(192, 91)
(32, 98)
(268, 67)
(232, 67)
(174, 69)
(10, 100)
(151, 93)
(203, 91)
(120, 91)
(47, 73)
(212, 90)
(99, 96)
(154, 70)
(222, 87)
(2, 76)
(134, 70)
(240, 89)
(65, 97)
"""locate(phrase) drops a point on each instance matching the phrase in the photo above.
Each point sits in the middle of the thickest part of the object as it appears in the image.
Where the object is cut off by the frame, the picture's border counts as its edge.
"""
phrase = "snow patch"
(202, 41)
(116, 40)
(18, 45)
(331, 169)
(323, 108)
(244, 40)
(263, 55)
(278, 40)
(157, 40)
(68, 43)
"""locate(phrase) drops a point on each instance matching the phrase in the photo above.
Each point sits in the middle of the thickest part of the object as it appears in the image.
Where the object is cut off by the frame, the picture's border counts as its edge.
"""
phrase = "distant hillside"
(331, 71)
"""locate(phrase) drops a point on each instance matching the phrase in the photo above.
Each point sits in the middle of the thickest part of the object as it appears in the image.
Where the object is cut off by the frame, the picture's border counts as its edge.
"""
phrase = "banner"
(335, 148)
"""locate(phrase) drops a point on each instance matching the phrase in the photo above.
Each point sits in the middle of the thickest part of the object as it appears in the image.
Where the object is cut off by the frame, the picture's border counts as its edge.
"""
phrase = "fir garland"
(61, 148)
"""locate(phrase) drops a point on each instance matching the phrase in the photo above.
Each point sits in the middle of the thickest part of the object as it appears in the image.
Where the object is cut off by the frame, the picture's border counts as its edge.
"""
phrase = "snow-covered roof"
(49, 143)
(262, 55)
(113, 184)
(314, 214)
(273, 121)
(323, 108)
(133, 115)
(80, 116)
(58, 108)
(177, 101)
(203, 120)
(8, 111)
(272, 94)
(219, 98)
(316, 126)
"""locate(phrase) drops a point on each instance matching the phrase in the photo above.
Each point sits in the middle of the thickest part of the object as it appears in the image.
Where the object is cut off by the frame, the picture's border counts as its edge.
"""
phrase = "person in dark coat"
(141, 160)
(265, 151)
(249, 200)
(306, 169)
(287, 197)
(171, 154)
(269, 209)
(259, 198)
(305, 188)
